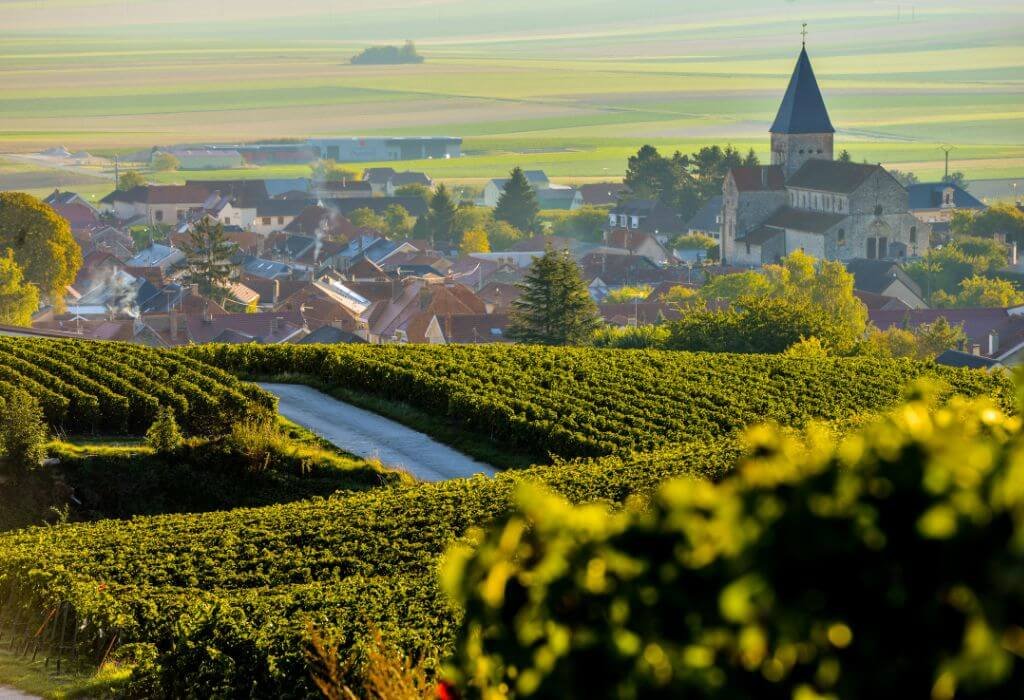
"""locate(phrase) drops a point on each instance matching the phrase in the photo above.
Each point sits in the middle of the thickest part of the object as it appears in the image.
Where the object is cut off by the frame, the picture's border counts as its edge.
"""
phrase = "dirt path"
(367, 434)
(12, 694)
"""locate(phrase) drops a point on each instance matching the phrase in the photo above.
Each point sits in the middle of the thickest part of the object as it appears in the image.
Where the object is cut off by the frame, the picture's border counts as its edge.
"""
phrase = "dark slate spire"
(803, 109)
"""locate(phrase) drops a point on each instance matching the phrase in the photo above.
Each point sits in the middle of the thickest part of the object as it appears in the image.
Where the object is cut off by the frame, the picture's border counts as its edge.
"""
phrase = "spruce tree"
(518, 203)
(555, 307)
(209, 259)
(442, 218)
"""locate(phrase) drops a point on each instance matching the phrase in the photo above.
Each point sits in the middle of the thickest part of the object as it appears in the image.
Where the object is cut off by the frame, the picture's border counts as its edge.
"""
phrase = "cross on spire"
(803, 33)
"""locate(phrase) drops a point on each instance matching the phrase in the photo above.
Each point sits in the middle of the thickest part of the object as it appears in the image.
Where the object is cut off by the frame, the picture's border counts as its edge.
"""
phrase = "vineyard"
(579, 402)
(219, 604)
(116, 388)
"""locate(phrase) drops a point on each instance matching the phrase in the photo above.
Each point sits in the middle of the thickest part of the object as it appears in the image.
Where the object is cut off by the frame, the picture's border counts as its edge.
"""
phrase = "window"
(878, 210)
(266, 221)
(801, 151)
(227, 220)
(748, 249)
(913, 234)
(635, 220)
(872, 249)
(158, 216)
(883, 248)
(280, 221)
(842, 236)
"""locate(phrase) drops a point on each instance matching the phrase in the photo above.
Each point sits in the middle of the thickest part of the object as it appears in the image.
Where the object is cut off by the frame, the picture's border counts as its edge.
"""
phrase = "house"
(157, 255)
(888, 279)
(264, 327)
(107, 239)
(342, 189)
(958, 358)
(647, 215)
(805, 200)
(601, 194)
(326, 302)
(79, 214)
(386, 181)
(559, 197)
(156, 204)
(993, 333)
(638, 313)
(708, 219)
(57, 197)
(266, 269)
(306, 219)
(496, 187)
(638, 243)
(329, 335)
(463, 329)
(419, 296)
(935, 203)
(414, 205)
(499, 296)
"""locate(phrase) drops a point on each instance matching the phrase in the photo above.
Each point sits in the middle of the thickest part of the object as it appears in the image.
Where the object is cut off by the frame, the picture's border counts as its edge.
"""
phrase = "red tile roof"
(759, 178)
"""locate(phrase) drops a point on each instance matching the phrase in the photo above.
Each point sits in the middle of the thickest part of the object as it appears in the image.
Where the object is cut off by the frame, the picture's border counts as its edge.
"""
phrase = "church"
(806, 200)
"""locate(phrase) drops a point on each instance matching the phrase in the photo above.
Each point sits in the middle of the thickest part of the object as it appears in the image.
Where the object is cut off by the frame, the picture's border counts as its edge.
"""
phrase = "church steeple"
(802, 129)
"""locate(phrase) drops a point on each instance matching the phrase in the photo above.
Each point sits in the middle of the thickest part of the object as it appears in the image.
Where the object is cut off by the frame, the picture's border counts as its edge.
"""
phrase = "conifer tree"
(442, 217)
(555, 307)
(209, 259)
(518, 203)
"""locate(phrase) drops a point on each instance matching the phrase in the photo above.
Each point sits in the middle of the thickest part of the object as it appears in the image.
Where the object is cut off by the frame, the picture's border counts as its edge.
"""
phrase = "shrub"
(256, 442)
(22, 433)
(164, 435)
(890, 566)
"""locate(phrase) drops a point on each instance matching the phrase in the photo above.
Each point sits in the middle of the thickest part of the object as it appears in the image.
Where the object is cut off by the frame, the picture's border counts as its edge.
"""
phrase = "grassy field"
(575, 100)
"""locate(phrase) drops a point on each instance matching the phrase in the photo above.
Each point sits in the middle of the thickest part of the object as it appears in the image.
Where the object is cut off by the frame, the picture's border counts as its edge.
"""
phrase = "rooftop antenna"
(803, 34)
(946, 148)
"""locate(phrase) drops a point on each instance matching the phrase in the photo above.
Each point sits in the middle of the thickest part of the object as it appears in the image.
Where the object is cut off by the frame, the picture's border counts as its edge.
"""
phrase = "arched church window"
(878, 210)
(913, 234)
(842, 236)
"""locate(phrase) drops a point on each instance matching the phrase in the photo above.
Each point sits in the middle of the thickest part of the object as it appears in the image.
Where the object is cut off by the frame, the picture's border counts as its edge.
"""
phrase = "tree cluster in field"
(39, 257)
(388, 55)
(116, 388)
(886, 566)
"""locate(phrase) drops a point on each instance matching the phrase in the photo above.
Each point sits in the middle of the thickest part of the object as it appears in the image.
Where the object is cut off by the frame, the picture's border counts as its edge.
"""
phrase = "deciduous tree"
(474, 241)
(130, 179)
(42, 243)
(18, 299)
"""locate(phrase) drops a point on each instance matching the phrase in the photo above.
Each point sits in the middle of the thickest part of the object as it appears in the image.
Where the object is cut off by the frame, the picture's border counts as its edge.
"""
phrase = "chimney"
(976, 349)
(993, 343)
(207, 314)
(275, 325)
(764, 178)
(276, 291)
(172, 320)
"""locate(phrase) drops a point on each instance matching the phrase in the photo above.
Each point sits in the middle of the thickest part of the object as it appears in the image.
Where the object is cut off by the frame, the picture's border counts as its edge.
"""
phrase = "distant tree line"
(388, 55)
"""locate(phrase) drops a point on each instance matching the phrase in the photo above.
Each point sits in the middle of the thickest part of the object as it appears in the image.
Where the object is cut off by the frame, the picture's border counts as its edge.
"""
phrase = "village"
(387, 256)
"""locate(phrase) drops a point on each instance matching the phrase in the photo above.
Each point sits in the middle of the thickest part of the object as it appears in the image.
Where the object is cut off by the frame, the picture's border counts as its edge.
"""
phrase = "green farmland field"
(573, 91)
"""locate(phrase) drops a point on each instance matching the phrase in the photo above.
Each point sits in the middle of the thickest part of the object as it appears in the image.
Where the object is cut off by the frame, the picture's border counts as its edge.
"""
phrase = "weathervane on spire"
(803, 33)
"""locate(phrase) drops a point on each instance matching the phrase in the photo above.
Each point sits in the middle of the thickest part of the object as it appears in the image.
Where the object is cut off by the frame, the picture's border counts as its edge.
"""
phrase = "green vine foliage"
(118, 388)
(891, 565)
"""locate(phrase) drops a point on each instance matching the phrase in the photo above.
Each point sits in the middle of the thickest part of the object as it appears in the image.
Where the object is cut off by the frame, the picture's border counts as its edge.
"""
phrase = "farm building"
(207, 159)
(358, 149)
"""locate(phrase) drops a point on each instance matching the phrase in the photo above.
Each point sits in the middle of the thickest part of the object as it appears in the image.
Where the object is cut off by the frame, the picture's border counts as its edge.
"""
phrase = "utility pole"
(946, 149)
(117, 170)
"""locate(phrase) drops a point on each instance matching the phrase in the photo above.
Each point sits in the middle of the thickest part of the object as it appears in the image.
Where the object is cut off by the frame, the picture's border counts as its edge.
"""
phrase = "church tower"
(802, 129)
